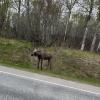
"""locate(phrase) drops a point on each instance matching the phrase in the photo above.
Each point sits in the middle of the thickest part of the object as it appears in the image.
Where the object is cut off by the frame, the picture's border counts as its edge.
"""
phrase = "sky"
(76, 9)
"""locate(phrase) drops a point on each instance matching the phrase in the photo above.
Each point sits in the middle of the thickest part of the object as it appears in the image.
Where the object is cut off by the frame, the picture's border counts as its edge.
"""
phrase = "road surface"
(21, 85)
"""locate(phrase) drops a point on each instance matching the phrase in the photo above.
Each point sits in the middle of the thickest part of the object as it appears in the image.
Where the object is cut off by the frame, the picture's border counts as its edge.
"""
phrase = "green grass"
(67, 64)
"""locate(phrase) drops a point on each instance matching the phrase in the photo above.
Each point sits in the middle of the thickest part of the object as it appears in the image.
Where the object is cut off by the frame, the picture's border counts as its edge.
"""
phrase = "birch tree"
(98, 19)
(98, 48)
(69, 4)
(93, 42)
(88, 17)
(97, 26)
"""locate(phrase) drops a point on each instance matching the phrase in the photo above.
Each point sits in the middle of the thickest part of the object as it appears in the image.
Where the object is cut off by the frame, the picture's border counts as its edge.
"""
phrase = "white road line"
(26, 77)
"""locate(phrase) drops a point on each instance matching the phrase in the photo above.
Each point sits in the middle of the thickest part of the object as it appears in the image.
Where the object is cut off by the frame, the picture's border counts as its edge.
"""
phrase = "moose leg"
(41, 63)
(38, 63)
(49, 64)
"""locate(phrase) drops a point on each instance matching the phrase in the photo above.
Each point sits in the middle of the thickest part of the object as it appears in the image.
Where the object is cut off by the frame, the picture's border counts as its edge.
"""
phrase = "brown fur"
(41, 55)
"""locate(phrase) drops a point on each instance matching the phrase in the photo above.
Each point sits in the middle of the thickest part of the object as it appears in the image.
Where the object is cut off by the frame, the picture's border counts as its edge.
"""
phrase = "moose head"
(36, 52)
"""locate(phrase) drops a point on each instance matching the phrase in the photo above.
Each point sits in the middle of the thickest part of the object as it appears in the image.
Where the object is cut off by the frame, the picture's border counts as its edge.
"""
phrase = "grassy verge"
(67, 64)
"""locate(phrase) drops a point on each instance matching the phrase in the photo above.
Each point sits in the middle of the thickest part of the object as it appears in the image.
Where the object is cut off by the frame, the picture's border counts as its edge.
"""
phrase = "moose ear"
(35, 50)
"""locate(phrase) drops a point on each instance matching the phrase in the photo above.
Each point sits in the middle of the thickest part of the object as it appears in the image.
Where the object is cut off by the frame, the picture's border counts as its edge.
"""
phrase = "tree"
(69, 4)
(98, 8)
(88, 17)
(4, 5)
(98, 19)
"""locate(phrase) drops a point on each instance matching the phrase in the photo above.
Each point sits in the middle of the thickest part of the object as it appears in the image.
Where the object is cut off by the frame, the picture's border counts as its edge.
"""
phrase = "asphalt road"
(18, 87)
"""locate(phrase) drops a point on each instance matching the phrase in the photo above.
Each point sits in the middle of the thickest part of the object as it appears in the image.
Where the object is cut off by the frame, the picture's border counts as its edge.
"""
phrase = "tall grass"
(66, 63)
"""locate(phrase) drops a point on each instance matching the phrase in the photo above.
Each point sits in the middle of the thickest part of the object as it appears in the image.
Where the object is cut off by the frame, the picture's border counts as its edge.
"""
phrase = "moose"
(41, 55)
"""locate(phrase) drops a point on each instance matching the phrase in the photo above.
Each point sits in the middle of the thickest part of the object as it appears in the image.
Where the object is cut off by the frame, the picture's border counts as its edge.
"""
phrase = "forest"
(68, 29)
(64, 23)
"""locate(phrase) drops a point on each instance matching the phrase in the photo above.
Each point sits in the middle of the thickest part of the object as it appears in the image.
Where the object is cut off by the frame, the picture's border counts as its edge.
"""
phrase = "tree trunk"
(4, 4)
(19, 8)
(98, 48)
(84, 39)
(93, 43)
(19, 12)
(86, 25)
(28, 21)
(66, 29)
